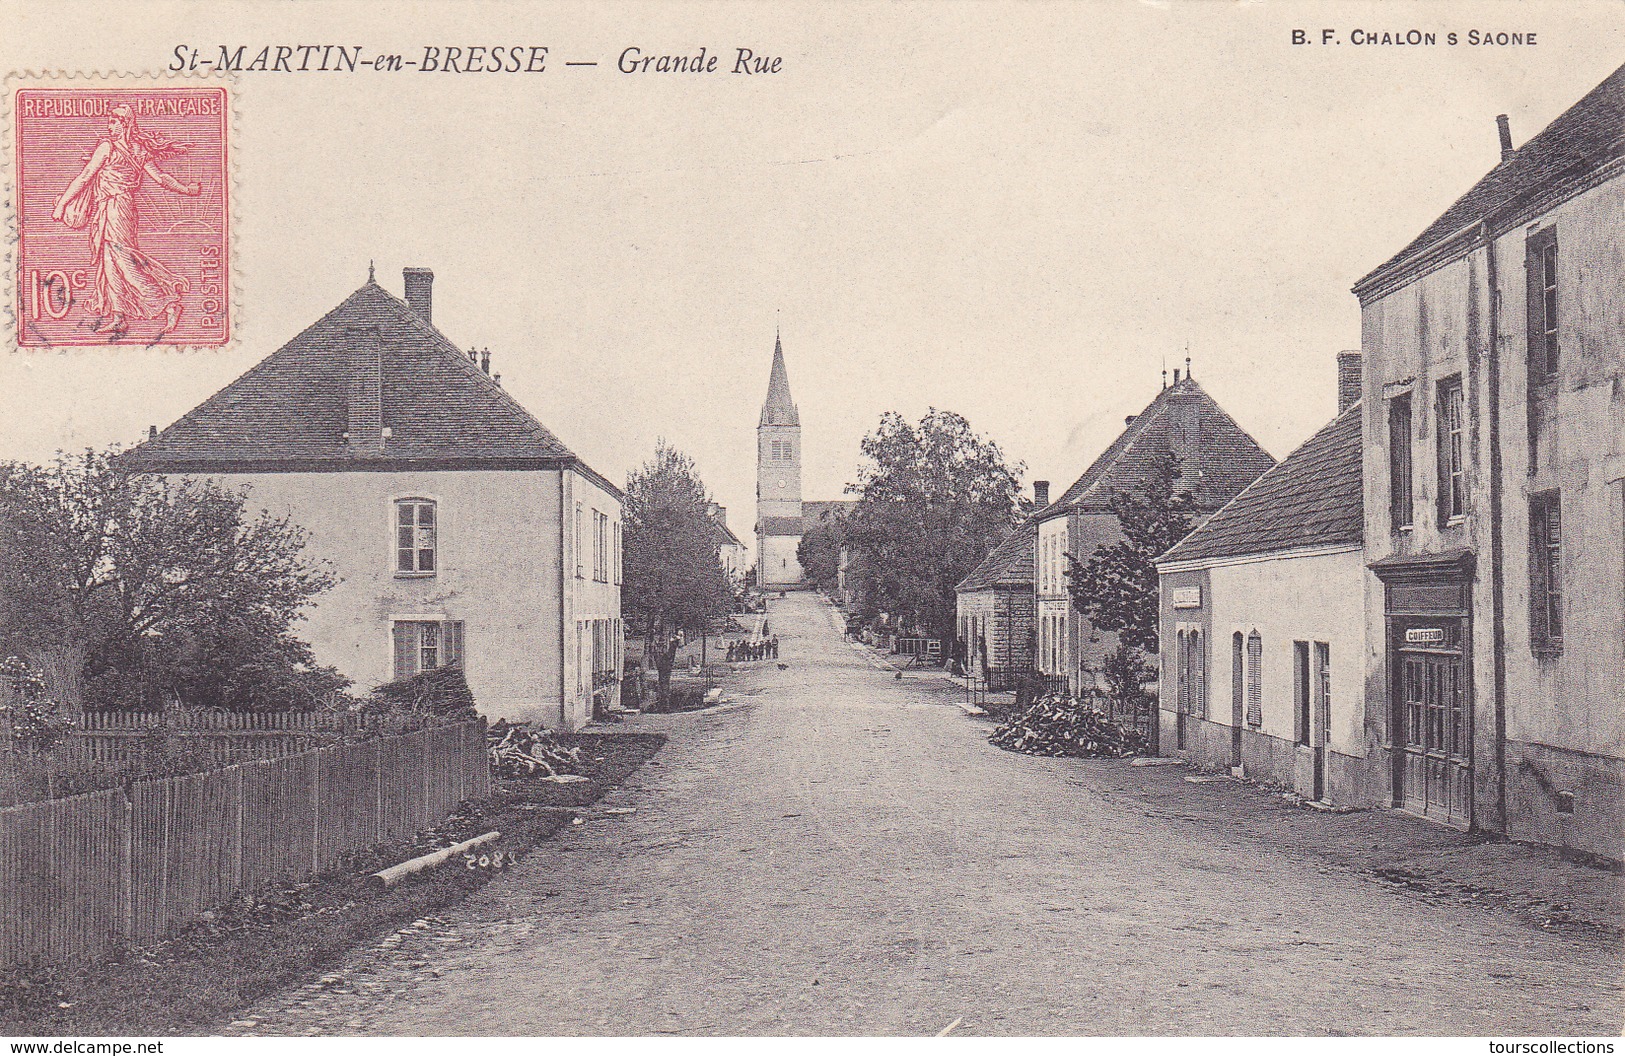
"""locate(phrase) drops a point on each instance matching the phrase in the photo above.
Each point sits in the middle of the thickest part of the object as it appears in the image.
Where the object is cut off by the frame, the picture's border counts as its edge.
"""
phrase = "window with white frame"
(1452, 449)
(416, 538)
(581, 555)
(425, 645)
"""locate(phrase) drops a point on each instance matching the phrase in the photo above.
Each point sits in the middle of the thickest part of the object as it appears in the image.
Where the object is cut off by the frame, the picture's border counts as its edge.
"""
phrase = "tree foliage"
(934, 499)
(819, 552)
(167, 590)
(1117, 586)
(673, 580)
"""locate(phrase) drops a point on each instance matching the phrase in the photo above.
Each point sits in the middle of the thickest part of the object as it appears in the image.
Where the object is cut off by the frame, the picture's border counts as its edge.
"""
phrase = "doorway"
(1434, 721)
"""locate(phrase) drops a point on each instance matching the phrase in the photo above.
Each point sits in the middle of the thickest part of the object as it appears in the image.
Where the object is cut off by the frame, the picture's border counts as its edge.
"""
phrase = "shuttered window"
(1399, 461)
(424, 645)
(1546, 573)
(1255, 680)
(1541, 262)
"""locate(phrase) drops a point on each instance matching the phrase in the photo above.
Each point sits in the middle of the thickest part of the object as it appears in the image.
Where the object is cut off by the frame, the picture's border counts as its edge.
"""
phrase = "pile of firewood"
(517, 750)
(1054, 725)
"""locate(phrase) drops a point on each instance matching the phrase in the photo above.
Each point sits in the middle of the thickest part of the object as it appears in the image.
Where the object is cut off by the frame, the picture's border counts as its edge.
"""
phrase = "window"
(617, 555)
(1399, 461)
(1199, 674)
(1451, 441)
(1546, 573)
(1255, 680)
(1541, 262)
(414, 537)
(424, 645)
(600, 547)
(581, 570)
(1190, 672)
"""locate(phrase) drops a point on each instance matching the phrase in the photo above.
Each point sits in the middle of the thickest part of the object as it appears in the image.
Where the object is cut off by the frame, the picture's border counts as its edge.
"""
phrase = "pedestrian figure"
(774, 647)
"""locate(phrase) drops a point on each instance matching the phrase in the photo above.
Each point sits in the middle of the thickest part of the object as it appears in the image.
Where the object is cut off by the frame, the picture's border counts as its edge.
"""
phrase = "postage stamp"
(123, 217)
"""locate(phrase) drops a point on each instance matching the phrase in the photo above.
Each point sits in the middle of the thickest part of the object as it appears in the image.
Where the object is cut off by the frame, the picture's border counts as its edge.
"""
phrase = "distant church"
(781, 516)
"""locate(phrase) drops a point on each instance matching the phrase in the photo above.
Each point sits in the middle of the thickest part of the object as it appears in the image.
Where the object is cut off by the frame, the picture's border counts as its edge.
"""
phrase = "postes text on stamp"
(122, 216)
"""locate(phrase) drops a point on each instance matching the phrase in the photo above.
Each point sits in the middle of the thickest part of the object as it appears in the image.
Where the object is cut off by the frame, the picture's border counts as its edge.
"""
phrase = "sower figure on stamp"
(127, 283)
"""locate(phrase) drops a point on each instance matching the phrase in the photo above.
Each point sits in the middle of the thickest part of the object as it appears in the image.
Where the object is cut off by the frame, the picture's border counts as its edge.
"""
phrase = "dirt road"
(841, 852)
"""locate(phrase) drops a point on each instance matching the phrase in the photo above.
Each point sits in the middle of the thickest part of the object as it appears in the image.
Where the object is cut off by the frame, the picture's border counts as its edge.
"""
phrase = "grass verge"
(242, 952)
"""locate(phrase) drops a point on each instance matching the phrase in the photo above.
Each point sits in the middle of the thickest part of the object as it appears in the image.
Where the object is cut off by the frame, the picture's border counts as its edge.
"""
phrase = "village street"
(842, 852)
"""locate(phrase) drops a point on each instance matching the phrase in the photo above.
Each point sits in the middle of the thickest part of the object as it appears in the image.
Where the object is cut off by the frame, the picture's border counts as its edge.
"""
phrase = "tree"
(1117, 586)
(673, 581)
(167, 590)
(934, 499)
(819, 552)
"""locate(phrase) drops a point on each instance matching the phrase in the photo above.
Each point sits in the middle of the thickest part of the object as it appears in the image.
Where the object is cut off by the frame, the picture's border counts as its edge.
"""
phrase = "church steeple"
(779, 408)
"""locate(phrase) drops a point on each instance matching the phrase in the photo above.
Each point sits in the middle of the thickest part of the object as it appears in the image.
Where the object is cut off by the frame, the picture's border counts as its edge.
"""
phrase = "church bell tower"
(778, 481)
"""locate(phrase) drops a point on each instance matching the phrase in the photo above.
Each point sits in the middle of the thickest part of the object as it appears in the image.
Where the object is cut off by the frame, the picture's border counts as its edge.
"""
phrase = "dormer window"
(415, 538)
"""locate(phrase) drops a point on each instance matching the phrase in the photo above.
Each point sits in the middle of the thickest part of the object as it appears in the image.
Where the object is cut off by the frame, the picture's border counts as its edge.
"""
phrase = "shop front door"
(1435, 724)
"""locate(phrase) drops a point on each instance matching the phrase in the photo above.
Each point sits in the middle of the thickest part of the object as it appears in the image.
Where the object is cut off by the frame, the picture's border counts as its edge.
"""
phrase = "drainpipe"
(1498, 642)
(566, 541)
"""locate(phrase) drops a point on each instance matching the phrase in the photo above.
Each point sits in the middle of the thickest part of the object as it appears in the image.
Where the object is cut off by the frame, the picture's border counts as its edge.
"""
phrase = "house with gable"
(1262, 623)
(1216, 458)
(1494, 431)
(464, 532)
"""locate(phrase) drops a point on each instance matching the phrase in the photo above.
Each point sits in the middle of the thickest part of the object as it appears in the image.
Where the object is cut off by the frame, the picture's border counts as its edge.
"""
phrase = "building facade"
(1216, 459)
(1262, 628)
(995, 604)
(1494, 431)
(463, 532)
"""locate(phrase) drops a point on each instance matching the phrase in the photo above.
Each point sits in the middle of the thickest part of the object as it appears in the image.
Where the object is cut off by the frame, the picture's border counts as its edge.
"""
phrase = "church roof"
(820, 510)
(290, 412)
(776, 526)
(1227, 458)
(778, 408)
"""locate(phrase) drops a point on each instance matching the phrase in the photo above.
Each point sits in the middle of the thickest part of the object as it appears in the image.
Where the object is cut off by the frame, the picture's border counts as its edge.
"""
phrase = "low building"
(1217, 459)
(1495, 493)
(464, 532)
(995, 611)
(1262, 623)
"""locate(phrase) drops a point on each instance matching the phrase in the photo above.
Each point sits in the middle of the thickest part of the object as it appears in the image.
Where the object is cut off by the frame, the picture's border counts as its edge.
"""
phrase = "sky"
(1019, 212)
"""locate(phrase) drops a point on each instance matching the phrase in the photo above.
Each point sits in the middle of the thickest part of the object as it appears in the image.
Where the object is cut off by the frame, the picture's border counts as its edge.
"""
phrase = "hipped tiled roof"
(1227, 458)
(1585, 137)
(1313, 498)
(292, 409)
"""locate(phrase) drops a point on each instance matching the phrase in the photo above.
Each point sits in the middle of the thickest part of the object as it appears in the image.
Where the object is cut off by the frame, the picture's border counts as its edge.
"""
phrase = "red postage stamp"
(122, 216)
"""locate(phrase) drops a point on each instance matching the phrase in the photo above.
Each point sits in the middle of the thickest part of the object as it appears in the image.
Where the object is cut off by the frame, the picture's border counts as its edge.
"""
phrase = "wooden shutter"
(451, 643)
(406, 649)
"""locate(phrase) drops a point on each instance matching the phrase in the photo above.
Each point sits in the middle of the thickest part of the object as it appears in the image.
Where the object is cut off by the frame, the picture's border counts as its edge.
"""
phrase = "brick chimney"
(1348, 380)
(1040, 494)
(1505, 129)
(420, 292)
(717, 513)
(364, 391)
(1185, 434)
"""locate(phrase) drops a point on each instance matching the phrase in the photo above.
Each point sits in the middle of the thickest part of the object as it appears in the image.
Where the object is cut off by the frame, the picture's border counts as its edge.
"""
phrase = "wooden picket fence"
(85, 875)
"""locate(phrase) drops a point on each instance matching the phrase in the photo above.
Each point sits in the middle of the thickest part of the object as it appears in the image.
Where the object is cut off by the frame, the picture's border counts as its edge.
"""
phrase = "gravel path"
(840, 852)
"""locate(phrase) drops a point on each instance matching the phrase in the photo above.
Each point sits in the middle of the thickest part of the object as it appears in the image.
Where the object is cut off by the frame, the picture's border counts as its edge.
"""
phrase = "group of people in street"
(760, 649)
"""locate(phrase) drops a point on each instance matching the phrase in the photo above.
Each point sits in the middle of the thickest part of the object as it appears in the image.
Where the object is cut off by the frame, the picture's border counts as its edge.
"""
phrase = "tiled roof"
(1009, 565)
(779, 526)
(778, 408)
(722, 535)
(291, 409)
(1585, 137)
(824, 509)
(1228, 459)
(1312, 498)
